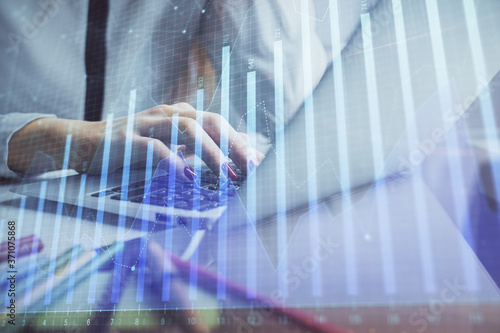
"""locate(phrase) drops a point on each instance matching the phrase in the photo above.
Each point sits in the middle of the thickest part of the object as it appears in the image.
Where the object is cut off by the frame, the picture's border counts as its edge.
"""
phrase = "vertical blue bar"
(145, 225)
(378, 158)
(226, 71)
(454, 163)
(122, 214)
(199, 99)
(426, 258)
(279, 108)
(193, 272)
(312, 187)
(251, 189)
(34, 251)
(222, 224)
(165, 293)
(57, 224)
(76, 239)
(100, 209)
(171, 202)
(345, 176)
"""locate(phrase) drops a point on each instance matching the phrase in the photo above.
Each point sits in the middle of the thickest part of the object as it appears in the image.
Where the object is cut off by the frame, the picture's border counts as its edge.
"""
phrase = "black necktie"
(95, 58)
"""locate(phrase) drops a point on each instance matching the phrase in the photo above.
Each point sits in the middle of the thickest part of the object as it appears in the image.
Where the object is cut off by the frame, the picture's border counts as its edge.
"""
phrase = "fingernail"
(230, 171)
(190, 174)
(251, 166)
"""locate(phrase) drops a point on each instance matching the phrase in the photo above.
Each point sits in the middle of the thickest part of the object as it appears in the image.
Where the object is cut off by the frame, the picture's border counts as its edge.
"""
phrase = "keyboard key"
(213, 204)
(116, 197)
(138, 199)
(211, 187)
(183, 195)
(135, 185)
(136, 192)
(204, 206)
(160, 201)
(102, 193)
(183, 205)
(119, 189)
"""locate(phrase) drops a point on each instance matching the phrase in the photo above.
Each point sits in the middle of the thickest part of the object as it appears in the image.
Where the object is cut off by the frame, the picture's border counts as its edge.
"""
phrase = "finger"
(214, 124)
(244, 135)
(256, 153)
(219, 129)
(166, 159)
(189, 132)
(186, 152)
(259, 155)
(255, 157)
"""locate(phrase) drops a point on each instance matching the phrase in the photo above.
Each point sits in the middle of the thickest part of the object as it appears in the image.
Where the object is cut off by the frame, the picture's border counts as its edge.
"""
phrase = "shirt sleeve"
(9, 124)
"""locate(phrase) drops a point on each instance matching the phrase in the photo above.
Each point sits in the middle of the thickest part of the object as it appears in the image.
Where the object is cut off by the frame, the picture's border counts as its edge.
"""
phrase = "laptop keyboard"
(204, 194)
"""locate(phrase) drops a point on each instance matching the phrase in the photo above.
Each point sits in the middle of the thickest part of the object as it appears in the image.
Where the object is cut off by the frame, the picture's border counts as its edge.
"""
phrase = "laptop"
(323, 151)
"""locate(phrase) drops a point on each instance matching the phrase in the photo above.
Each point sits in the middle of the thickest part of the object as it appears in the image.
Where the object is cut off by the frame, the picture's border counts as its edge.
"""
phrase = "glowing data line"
(76, 240)
(225, 82)
(310, 137)
(115, 289)
(222, 223)
(426, 258)
(345, 177)
(279, 108)
(454, 163)
(57, 223)
(378, 158)
(251, 273)
(100, 209)
(34, 250)
(193, 273)
(172, 175)
(145, 225)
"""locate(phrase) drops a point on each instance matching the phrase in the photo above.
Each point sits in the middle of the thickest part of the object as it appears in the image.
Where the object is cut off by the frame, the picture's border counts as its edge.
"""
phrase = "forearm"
(48, 136)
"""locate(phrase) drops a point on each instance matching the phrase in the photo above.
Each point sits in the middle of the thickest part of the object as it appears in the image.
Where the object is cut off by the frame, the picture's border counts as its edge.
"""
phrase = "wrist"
(25, 143)
(48, 137)
(86, 138)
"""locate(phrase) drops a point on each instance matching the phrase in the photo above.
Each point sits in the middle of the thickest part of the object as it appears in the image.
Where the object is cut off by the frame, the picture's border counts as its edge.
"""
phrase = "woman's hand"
(48, 135)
